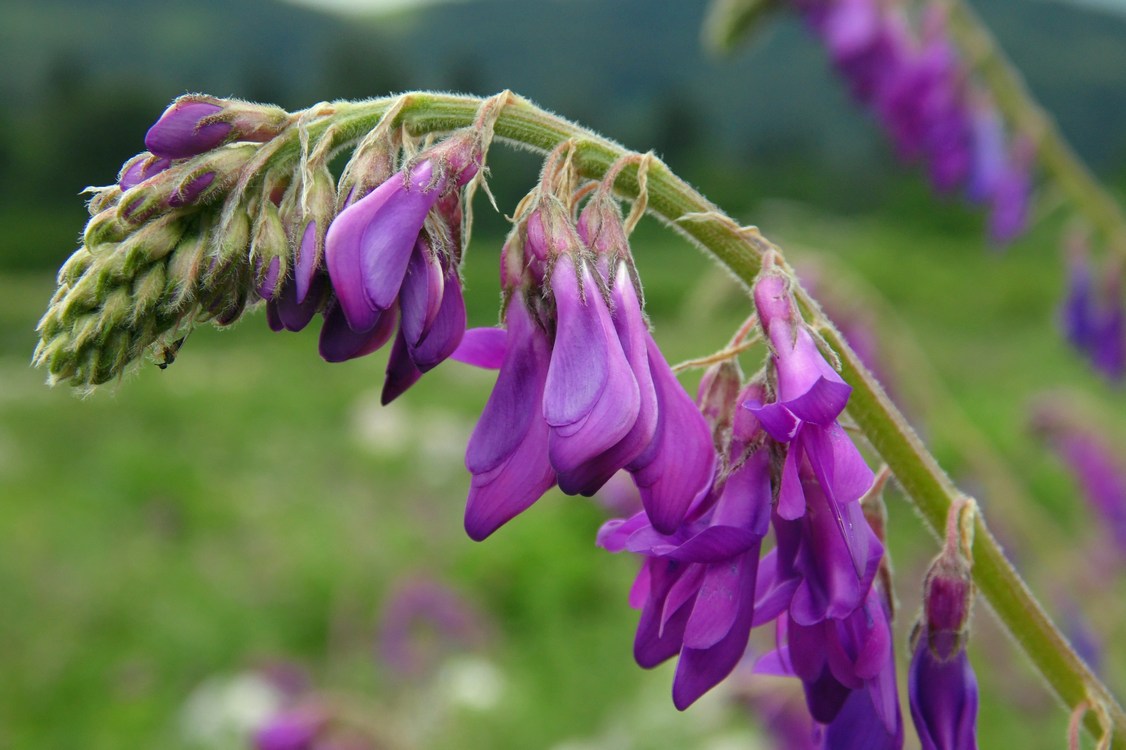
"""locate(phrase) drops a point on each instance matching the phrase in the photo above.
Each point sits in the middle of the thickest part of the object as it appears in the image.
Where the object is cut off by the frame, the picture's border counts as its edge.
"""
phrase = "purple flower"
(697, 586)
(413, 610)
(369, 244)
(1012, 195)
(293, 730)
(674, 472)
(181, 133)
(810, 396)
(943, 694)
(508, 451)
(287, 312)
(591, 399)
(1100, 474)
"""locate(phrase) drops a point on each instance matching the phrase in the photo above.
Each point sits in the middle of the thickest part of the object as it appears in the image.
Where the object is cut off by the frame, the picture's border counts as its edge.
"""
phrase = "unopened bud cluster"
(219, 213)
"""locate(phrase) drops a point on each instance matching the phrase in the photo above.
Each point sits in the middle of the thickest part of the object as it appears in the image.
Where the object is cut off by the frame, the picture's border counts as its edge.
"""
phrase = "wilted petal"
(591, 400)
(675, 471)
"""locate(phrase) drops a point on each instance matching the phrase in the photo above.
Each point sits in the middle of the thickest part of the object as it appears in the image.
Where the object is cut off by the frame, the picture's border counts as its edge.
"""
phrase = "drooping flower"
(941, 684)
(508, 450)
(696, 588)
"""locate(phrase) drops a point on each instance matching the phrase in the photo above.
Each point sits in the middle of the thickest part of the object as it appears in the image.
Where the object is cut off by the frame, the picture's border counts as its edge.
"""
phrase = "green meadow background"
(252, 504)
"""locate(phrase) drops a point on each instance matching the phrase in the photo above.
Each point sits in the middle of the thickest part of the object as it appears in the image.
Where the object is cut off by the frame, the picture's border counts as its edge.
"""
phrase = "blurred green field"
(253, 503)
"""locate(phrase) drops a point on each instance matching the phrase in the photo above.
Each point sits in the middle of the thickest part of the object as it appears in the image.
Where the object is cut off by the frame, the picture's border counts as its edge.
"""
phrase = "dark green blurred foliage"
(81, 82)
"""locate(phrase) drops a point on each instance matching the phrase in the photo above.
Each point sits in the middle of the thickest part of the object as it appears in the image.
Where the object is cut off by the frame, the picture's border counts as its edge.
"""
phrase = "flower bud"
(269, 251)
(140, 168)
(193, 125)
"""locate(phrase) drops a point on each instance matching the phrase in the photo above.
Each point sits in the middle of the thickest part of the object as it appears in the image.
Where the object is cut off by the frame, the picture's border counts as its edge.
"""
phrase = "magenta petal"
(776, 419)
(775, 663)
(676, 468)
(389, 237)
(639, 591)
(591, 400)
(178, 134)
(447, 330)
(507, 452)
(401, 371)
(699, 670)
(791, 496)
(482, 347)
(339, 342)
(421, 295)
(616, 532)
(630, 326)
(369, 244)
(683, 591)
(838, 465)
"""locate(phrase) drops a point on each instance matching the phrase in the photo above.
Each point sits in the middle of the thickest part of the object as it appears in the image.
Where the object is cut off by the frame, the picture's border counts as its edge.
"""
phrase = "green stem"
(1083, 191)
(740, 250)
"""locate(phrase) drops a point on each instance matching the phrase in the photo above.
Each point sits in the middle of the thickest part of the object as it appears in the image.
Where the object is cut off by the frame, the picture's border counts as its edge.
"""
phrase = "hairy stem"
(739, 250)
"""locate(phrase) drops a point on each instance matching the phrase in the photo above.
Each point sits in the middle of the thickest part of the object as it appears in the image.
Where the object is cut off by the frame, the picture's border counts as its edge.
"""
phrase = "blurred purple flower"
(290, 730)
(415, 608)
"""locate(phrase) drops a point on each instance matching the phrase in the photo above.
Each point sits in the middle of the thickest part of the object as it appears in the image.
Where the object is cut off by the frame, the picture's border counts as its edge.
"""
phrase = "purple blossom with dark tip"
(179, 133)
(508, 450)
(943, 695)
(810, 396)
(696, 588)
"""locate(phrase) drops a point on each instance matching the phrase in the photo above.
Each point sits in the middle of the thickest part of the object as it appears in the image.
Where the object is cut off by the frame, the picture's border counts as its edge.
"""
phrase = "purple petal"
(369, 244)
(294, 315)
(659, 639)
(675, 470)
(701, 669)
(401, 371)
(591, 400)
(178, 135)
(943, 697)
(447, 330)
(616, 532)
(482, 347)
(141, 168)
(840, 469)
(339, 342)
(857, 726)
(630, 326)
(189, 193)
(305, 265)
(421, 293)
(507, 452)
